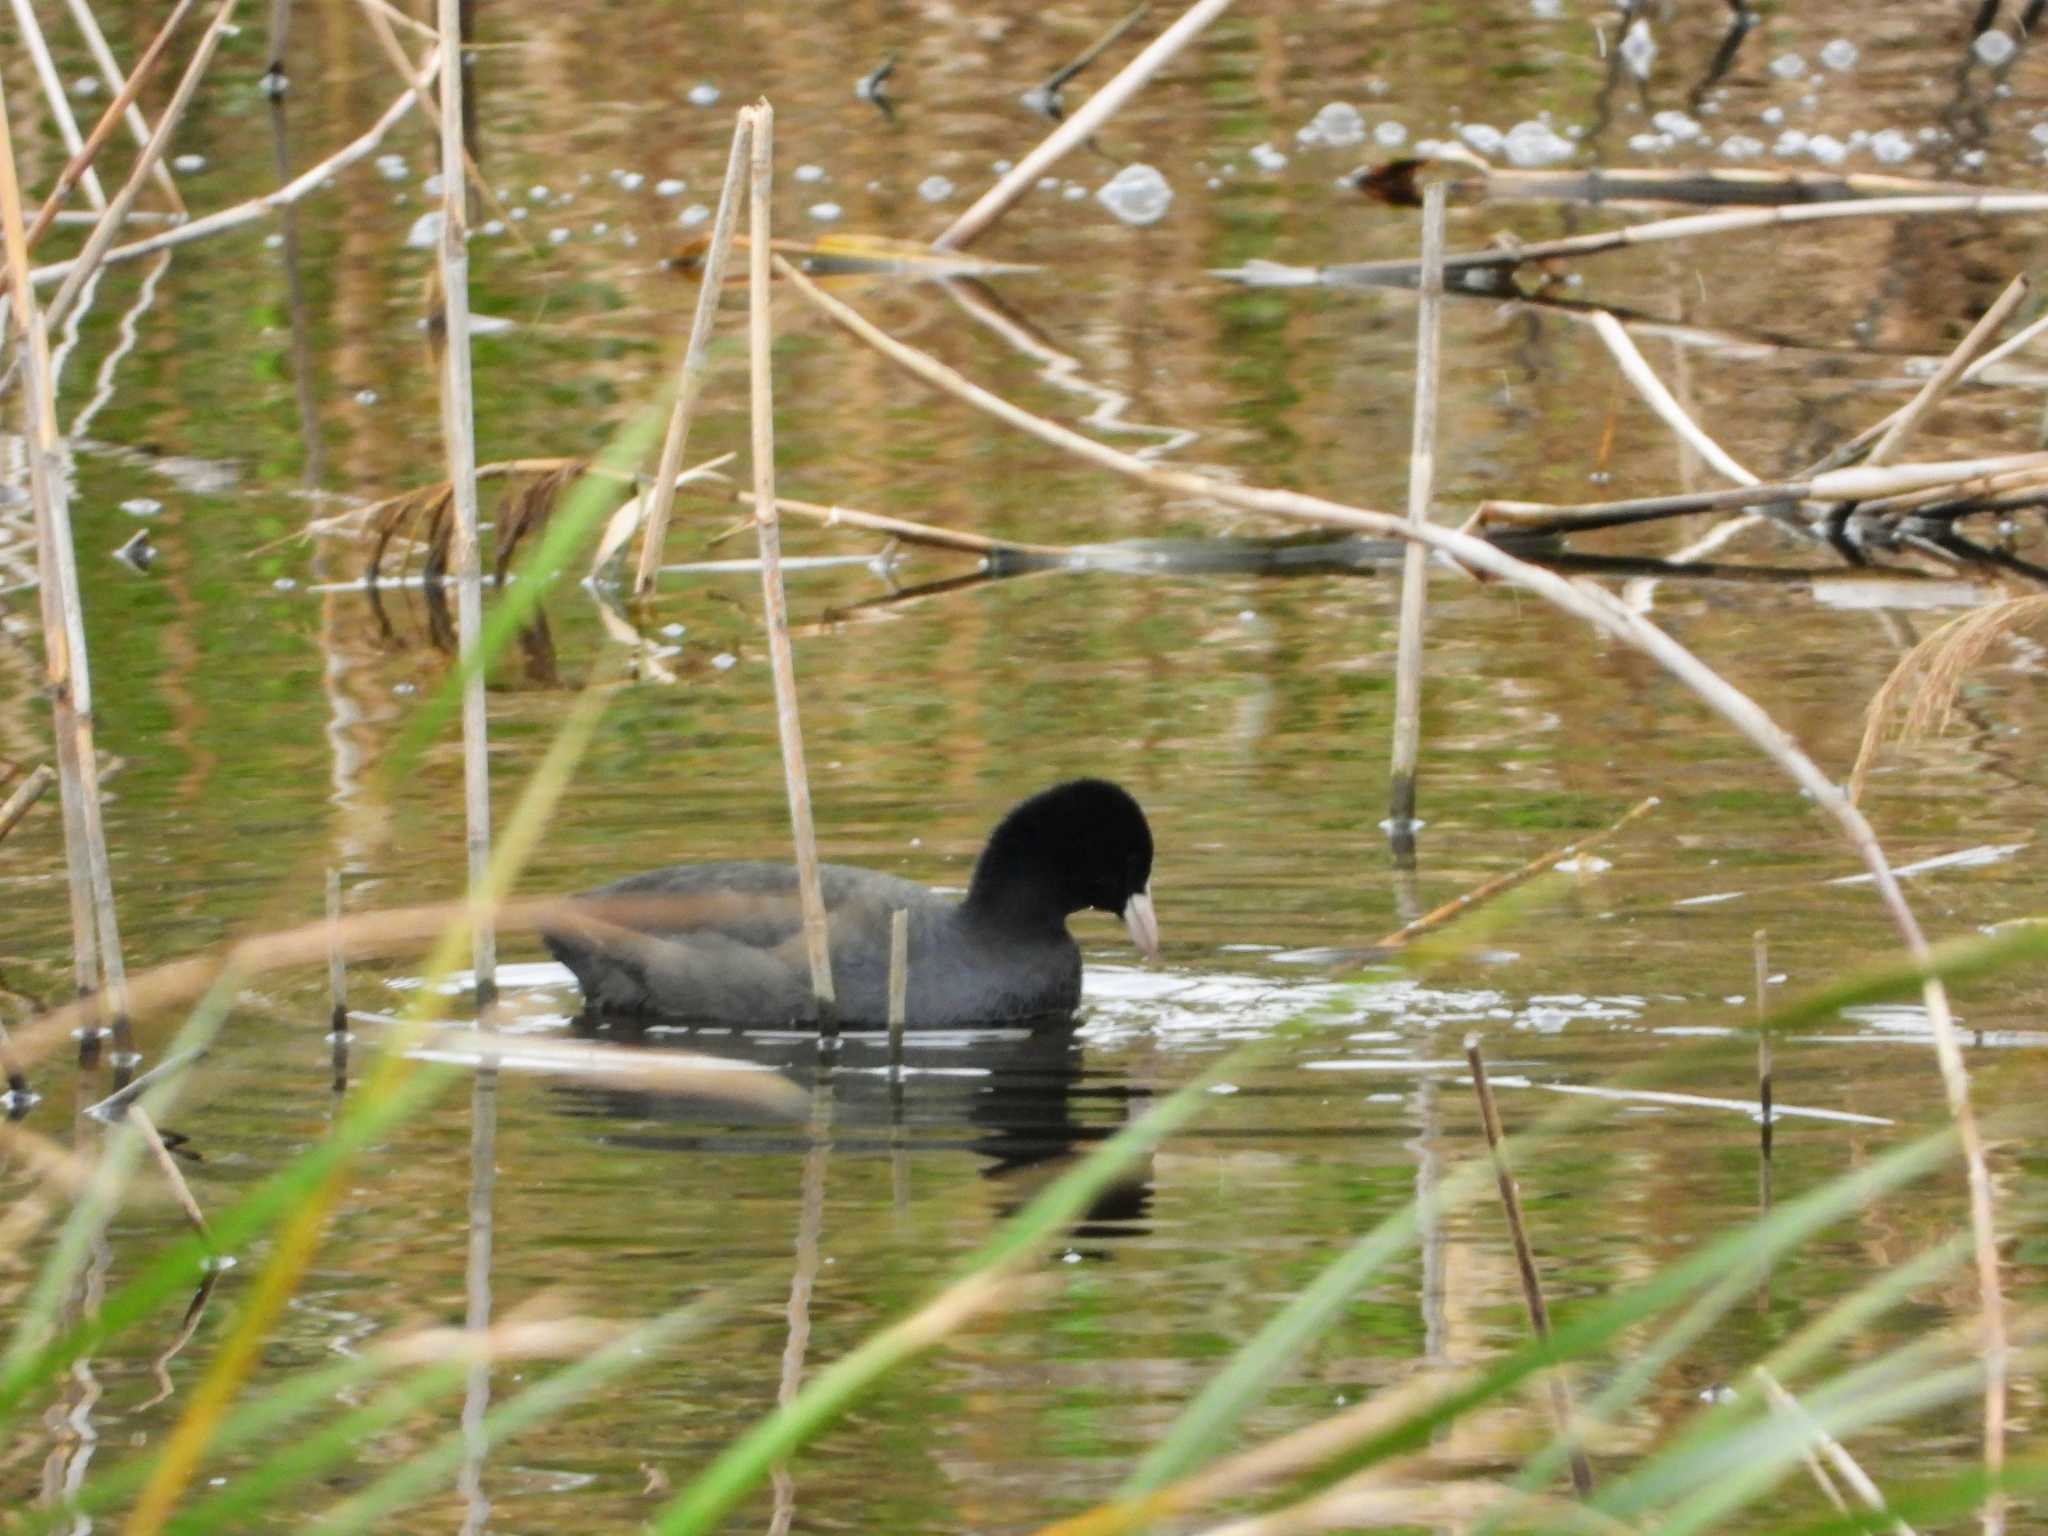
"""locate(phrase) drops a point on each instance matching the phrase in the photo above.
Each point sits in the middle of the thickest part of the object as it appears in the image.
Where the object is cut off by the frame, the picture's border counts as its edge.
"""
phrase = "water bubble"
(936, 189)
(1650, 143)
(1074, 192)
(1791, 142)
(366, 397)
(600, 229)
(1771, 116)
(1532, 144)
(433, 184)
(1048, 183)
(538, 193)
(1338, 125)
(515, 214)
(1389, 135)
(1973, 159)
(1484, 138)
(189, 165)
(1827, 149)
(491, 227)
(2038, 133)
(668, 186)
(1137, 194)
(702, 96)
(1839, 54)
(810, 173)
(1001, 167)
(1788, 66)
(273, 242)
(1892, 147)
(1546, 10)
(724, 661)
(142, 506)
(1267, 158)
(557, 236)
(405, 690)
(1740, 146)
(631, 180)
(674, 631)
(693, 215)
(85, 85)
(1638, 48)
(824, 213)
(1681, 128)
(425, 232)
(393, 168)
(628, 239)
(1993, 48)
(285, 584)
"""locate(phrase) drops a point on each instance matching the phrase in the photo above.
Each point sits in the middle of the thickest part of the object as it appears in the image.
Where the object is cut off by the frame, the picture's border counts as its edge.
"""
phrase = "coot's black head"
(1078, 846)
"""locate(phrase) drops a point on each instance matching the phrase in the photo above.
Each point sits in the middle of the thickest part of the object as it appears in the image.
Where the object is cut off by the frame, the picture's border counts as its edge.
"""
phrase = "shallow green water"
(250, 716)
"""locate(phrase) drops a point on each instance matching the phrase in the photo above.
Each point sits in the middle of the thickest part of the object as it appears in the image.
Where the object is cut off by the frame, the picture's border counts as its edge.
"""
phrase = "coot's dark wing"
(722, 942)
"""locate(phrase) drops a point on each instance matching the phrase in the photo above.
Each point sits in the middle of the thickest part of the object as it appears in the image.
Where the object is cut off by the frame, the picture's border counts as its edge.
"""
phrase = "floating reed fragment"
(775, 604)
(912, 533)
(1809, 1429)
(166, 1164)
(1903, 422)
(1473, 179)
(1525, 1259)
(690, 375)
(1499, 885)
(1407, 734)
(26, 794)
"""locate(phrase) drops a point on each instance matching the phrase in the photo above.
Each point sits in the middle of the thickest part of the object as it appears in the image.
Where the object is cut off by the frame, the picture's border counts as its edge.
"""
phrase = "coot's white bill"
(1138, 917)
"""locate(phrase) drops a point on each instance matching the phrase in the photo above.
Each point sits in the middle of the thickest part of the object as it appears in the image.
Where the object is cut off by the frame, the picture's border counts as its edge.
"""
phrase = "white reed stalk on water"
(1948, 375)
(101, 239)
(153, 1139)
(690, 376)
(1407, 743)
(458, 430)
(1637, 370)
(30, 33)
(909, 532)
(774, 603)
(1075, 131)
(124, 93)
(899, 988)
(1611, 617)
(1809, 1428)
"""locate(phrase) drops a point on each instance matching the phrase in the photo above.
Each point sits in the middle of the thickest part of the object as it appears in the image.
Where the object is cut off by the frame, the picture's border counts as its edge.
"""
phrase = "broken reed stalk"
(101, 239)
(909, 532)
(137, 1116)
(307, 182)
(1077, 130)
(899, 988)
(1948, 375)
(1480, 894)
(1610, 616)
(1637, 370)
(458, 432)
(1407, 745)
(1525, 1260)
(26, 794)
(95, 932)
(124, 101)
(661, 497)
(1844, 1464)
(126, 91)
(775, 606)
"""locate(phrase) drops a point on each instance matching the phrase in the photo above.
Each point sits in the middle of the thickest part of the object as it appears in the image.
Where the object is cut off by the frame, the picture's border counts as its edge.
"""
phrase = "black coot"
(723, 943)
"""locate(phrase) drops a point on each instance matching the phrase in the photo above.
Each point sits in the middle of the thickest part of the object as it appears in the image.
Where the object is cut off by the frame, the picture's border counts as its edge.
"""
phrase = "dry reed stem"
(1480, 894)
(1932, 672)
(1525, 1262)
(110, 70)
(52, 208)
(1637, 370)
(293, 191)
(1407, 742)
(911, 533)
(88, 260)
(1859, 1482)
(1763, 1054)
(337, 966)
(1374, 1501)
(95, 932)
(26, 794)
(1948, 375)
(29, 33)
(696, 353)
(458, 432)
(899, 987)
(1986, 205)
(1075, 131)
(153, 1139)
(775, 606)
(1607, 614)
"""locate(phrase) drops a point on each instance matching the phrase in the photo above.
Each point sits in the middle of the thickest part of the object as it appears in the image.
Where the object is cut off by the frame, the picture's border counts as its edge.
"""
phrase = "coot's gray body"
(724, 942)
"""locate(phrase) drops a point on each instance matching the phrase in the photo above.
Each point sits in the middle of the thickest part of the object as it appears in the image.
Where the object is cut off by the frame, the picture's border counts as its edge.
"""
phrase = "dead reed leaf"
(1931, 674)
